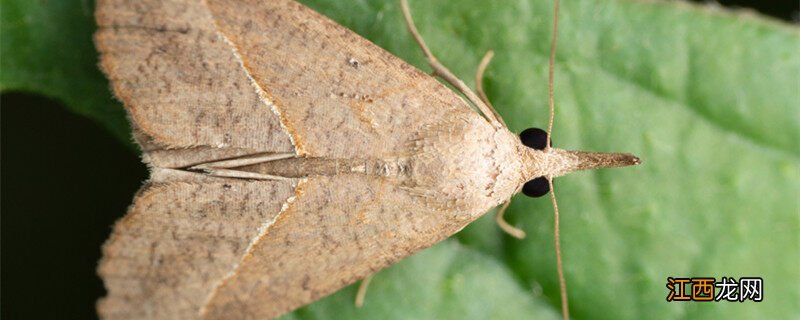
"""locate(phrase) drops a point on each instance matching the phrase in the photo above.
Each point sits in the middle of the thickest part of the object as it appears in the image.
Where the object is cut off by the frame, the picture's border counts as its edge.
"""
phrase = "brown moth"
(290, 157)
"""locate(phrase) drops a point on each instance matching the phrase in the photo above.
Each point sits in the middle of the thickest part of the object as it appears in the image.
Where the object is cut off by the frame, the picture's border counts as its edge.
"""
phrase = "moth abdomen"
(303, 167)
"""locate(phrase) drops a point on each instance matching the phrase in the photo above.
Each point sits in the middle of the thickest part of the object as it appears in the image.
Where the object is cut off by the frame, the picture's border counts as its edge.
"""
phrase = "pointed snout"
(594, 160)
(566, 161)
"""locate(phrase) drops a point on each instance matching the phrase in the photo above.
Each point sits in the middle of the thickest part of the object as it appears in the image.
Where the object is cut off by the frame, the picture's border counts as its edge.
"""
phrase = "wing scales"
(208, 80)
(178, 240)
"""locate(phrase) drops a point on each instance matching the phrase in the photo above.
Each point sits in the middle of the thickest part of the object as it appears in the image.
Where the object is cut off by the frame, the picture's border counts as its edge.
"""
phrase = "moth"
(290, 157)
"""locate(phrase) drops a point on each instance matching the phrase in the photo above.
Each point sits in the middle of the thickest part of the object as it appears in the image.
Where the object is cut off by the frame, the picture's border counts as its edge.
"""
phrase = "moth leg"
(444, 73)
(224, 169)
(362, 291)
(479, 85)
(228, 173)
(514, 232)
(243, 161)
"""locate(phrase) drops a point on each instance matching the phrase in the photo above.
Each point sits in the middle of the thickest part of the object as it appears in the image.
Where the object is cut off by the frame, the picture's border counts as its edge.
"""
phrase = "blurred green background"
(708, 97)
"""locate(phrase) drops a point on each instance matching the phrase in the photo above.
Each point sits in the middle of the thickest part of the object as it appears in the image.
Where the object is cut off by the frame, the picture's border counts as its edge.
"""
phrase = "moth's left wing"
(187, 96)
(338, 95)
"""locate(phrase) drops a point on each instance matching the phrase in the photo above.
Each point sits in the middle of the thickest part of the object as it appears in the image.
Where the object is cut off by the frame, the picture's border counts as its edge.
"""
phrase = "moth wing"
(183, 87)
(178, 240)
(230, 78)
(339, 229)
(339, 95)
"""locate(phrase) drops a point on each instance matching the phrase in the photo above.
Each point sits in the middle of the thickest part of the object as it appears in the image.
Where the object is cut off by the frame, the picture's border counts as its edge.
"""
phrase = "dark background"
(64, 182)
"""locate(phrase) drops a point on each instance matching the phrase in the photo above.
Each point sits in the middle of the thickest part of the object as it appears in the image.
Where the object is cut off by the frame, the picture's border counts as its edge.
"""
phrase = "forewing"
(339, 95)
(184, 88)
(178, 241)
(339, 229)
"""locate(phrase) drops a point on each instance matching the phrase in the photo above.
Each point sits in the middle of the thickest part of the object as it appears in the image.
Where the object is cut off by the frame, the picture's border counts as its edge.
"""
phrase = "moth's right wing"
(179, 239)
(339, 229)
(228, 249)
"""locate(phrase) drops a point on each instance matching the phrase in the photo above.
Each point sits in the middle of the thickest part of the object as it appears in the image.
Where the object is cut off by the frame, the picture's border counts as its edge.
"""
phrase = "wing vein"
(262, 94)
(262, 233)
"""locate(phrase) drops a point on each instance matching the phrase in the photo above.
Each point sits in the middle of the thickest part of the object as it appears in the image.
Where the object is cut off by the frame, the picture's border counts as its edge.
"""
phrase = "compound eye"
(536, 187)
(534, 138)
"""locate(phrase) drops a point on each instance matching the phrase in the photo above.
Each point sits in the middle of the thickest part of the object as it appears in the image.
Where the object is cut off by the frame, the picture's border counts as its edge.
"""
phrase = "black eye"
(534, 138)
(536, 187)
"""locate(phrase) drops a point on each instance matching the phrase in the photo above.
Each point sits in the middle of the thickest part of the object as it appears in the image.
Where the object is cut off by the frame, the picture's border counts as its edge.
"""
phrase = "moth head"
(542, 162)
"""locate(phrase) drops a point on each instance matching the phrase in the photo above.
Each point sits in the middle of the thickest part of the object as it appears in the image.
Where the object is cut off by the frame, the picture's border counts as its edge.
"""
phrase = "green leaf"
(706, 97)
(46, 48)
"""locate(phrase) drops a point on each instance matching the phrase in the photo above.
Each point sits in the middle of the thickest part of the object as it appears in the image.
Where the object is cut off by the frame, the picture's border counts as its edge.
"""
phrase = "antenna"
(550, 74)
(561, 282)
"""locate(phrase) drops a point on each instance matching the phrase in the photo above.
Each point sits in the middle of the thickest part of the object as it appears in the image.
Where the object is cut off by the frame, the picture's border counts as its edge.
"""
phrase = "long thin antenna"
(561, 282)
(560, 266)
(550, 74)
